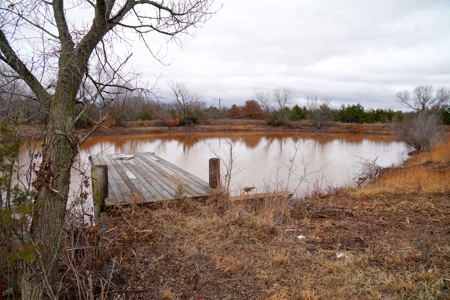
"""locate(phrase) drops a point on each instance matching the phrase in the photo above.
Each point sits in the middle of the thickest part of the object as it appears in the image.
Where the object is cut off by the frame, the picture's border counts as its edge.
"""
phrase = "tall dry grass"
(425, 172)
(188, 250)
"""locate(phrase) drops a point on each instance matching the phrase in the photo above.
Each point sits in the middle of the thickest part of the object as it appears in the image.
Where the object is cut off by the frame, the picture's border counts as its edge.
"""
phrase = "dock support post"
(214, 173)
(99, 188)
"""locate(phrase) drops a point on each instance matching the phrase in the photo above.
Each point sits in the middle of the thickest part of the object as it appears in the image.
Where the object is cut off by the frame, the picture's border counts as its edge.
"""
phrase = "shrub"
(445, 112)
(419, 131)
(145, 115)
(298, 113)
(173, 123)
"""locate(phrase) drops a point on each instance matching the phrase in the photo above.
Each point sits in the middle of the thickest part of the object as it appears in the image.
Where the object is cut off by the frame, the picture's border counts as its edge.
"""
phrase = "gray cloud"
(350, 51)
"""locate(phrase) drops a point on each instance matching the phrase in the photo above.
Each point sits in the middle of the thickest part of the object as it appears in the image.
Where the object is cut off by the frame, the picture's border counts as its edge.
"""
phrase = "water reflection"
(262, 159)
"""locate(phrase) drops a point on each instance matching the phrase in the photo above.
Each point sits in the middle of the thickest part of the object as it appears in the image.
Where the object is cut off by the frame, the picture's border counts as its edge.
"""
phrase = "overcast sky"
(349, 51)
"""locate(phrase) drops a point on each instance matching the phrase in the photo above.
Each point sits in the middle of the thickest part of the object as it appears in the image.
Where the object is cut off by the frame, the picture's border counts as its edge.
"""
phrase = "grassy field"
(389, 239)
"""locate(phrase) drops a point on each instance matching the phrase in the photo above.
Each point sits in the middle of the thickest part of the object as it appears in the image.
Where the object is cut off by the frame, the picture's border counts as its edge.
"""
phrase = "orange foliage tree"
(252, 110)
(235, 112)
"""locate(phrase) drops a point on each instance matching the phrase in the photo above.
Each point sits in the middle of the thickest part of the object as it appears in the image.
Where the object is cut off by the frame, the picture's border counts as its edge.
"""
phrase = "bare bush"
(81, 260)
(419, 131)
(369, 170)
(274, 105)
(228, 158)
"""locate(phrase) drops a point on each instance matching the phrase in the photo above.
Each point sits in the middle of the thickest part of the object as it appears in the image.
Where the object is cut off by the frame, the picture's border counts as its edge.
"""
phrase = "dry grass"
(381, 242)
(425, 172)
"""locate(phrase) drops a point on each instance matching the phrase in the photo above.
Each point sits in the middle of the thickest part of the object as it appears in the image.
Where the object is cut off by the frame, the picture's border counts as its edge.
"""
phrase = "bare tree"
(318, 110)
(214, 112)
(16, 101)
(62, 49)
(269, 105)
(425, 97)
(185, 101)
(282, 97)
(421, 131)
(161, 111)
(126, 107)
(263, 97)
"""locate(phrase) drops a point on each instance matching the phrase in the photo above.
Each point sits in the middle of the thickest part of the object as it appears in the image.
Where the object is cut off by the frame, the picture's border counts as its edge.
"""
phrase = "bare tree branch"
(403, 98)
(22, 16)
(10, 57)
(263, 98)
(61, 24)
(424, 98)
(94, 129)
(185, 100)
(282, 97)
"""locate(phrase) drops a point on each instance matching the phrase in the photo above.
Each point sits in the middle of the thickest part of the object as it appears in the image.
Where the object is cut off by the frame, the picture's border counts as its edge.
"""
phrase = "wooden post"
(99, 188)
(214, 173)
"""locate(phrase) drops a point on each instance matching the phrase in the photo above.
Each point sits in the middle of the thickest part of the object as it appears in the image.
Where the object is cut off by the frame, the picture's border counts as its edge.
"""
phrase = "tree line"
(185, 107)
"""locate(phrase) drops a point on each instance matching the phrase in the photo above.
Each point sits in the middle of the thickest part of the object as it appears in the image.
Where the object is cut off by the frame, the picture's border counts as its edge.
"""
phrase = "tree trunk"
(40, 280)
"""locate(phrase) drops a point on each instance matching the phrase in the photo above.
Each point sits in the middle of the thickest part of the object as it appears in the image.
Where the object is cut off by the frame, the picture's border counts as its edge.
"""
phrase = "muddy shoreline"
(154, 127)
(134, 128)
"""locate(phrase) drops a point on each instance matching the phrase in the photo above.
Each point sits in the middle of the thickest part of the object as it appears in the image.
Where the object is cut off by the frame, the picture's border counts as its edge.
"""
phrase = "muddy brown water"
(300, 162)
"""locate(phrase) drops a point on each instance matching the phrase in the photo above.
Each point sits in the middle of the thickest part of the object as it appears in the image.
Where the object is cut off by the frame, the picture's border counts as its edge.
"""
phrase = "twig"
(96, 126)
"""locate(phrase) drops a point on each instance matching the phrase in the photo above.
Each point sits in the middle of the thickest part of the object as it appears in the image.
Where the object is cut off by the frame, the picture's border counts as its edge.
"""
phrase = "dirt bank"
(144, 127)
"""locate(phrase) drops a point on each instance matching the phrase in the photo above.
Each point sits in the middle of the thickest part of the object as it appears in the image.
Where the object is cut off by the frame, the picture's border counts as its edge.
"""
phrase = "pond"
(301, 162)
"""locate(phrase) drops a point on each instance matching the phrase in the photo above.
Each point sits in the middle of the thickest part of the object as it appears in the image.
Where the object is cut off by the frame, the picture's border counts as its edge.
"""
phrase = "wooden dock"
(144, 178)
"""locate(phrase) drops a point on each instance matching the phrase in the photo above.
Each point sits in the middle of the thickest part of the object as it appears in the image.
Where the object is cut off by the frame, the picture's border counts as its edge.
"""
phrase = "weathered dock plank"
(144, 176)
(191, 184)
(117, 182)
(136, 193)
(147, 178)
(162, 183)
